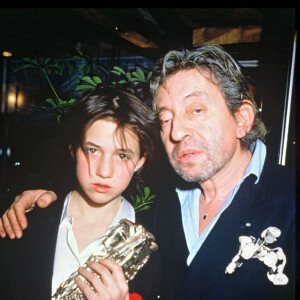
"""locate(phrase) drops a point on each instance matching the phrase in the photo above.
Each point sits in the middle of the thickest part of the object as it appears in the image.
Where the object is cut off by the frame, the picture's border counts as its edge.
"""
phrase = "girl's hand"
(112, 284)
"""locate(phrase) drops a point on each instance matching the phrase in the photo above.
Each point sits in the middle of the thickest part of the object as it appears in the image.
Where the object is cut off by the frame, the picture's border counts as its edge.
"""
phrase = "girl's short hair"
(112, 103)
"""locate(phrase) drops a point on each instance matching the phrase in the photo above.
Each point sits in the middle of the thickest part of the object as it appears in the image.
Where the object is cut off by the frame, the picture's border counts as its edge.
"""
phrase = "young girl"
(110, 138)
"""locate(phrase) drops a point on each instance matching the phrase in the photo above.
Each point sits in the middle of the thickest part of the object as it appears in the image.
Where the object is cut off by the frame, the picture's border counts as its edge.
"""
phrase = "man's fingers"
(17, 211)
(26, 202)
(7, 226)
(46, 198)
(14, 220)
(2, 231)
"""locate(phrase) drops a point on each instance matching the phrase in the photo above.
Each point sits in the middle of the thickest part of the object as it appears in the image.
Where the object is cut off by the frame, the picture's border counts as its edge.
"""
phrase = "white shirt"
(67, 257)
(189, 201)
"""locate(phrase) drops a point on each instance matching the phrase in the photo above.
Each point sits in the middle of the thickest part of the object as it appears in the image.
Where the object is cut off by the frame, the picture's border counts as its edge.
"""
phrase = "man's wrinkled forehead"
(196, 86)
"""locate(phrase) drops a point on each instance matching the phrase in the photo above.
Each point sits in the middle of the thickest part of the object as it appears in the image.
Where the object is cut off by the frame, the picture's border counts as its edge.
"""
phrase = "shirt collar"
(126, 211)
(66, 211)
(255, 166)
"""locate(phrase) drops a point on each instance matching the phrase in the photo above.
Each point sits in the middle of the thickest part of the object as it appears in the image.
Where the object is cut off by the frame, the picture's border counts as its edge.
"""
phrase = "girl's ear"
(71, 151)
(244, 118)
(140, 162)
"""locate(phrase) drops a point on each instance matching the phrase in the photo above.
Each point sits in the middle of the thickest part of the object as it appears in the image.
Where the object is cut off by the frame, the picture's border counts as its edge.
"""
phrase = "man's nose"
(104, 167)
(179, 129)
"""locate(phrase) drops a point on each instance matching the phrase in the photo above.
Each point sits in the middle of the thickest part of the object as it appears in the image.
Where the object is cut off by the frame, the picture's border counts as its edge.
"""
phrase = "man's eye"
(164, 122)
(197, 111)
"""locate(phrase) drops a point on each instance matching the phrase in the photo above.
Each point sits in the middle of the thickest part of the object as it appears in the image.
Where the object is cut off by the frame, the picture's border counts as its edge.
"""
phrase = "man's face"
(197, 129)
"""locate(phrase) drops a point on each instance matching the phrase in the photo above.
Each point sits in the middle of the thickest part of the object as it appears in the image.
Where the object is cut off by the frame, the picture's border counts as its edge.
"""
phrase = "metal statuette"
(126, 243)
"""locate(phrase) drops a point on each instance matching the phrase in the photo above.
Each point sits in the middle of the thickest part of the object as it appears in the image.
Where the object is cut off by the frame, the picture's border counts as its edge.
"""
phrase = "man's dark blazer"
(26, 265)
(270, 202)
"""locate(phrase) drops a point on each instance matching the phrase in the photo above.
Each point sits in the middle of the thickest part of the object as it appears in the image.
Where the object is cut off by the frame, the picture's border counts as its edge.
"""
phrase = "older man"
(231, 234)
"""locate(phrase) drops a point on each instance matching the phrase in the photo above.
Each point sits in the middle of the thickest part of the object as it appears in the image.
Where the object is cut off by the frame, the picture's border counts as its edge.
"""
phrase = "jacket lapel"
(222, 243)
(33, 267)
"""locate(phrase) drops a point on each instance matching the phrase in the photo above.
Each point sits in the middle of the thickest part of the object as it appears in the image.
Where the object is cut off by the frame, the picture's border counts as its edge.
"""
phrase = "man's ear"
(140, 162)
(71, 151)
(244, 118)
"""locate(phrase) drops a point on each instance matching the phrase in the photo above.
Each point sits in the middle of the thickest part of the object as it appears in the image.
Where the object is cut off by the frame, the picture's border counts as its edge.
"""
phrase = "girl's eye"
(92, 150)
(123, 156)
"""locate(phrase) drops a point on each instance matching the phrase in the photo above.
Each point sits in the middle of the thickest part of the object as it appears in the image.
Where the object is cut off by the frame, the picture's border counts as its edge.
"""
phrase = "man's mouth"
(187, 155)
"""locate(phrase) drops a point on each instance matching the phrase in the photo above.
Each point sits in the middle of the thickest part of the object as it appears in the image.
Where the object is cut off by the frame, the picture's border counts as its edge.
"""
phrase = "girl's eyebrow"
(127, 150)
(88, 143)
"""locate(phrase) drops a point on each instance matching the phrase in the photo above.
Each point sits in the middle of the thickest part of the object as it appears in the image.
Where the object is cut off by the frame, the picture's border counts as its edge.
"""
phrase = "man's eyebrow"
(195, 93)
(161, 109)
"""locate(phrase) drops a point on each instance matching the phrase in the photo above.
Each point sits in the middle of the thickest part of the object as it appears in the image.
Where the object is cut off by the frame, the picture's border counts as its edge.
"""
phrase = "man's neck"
(220, 185)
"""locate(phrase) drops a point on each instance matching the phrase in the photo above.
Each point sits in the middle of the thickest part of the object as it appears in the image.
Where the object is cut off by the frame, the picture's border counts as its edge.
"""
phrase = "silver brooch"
(274, 259)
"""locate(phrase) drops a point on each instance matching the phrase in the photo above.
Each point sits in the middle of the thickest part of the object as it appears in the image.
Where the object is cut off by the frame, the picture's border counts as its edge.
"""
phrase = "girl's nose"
(104, 167)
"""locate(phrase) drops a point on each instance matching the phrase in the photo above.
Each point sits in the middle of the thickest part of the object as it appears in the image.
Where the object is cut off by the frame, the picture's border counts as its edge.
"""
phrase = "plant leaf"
(149, 75)
(138, 199)
(146, 192)
(137, 76)
(115, 72)
(26, 66)
(88, 80)
(51, 101)
(97, 79)
(140, 73)
(31, 61)
(146, 207)
(120, 70)
(128, 75)
(84, 87)
(151, 197)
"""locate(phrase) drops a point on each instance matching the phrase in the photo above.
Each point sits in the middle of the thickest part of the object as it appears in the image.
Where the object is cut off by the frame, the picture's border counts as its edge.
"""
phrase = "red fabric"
(135, 296)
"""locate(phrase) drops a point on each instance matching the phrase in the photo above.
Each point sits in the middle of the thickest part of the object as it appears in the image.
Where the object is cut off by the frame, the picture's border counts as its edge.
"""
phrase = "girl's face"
(106, 167)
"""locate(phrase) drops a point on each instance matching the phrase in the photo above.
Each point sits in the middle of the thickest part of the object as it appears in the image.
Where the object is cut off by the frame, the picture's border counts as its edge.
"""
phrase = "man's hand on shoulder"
(14, 221)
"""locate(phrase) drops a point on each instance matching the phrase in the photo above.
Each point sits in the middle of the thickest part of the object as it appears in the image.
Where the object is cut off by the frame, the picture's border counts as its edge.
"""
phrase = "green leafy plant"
(143, 198)
(137, 75)
(80, 63)
(88, 65)
(47, 66)
(86, 83)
